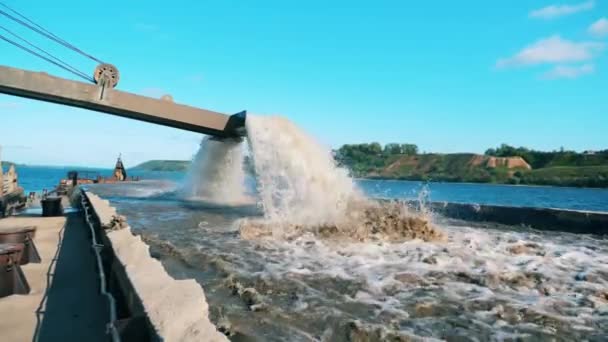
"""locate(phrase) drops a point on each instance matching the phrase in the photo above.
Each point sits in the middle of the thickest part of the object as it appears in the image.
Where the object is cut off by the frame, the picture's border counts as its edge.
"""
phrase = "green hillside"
(176, 165)
(579, 176)
(505, 164)
(542, 159)
(164, 165)
(457, 167)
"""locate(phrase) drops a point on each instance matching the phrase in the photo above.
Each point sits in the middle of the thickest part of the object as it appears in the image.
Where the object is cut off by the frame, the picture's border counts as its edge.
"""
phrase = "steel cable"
(41, 30)
(72, 68)
(89, 79)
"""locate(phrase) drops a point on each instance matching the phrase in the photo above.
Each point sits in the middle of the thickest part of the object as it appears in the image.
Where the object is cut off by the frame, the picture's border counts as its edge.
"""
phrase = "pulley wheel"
(107, 71)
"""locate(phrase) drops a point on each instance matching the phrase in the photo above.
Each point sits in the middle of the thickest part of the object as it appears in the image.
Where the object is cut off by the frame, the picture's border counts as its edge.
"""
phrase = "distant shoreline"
(461, 172)
(477, 183)
(576, 174)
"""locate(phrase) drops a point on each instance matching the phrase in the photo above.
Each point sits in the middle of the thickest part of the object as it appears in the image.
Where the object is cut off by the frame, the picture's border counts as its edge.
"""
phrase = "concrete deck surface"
(64, 303)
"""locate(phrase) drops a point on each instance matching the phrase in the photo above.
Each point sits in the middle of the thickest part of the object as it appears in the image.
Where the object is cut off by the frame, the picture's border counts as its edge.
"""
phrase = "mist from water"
(216, 174)
(302, 190)
(299, 188)
(474, 282)
(298, 181)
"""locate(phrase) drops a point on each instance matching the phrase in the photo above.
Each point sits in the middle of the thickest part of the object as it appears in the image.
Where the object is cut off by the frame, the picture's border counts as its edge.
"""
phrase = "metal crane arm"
(43, 87)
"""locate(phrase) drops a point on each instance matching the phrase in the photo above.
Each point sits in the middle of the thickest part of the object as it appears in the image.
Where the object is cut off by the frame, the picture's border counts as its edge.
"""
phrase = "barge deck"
(64, 303)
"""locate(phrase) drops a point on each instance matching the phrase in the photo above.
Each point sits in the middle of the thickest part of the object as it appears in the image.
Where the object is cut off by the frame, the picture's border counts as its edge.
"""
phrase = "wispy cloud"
(552, 50)
(145, 27)
(571, 72)
(17, 147)
(560, 10)
(195, 78)
(187, 138)
(151, 30)
(10, 105)
(599, 28)
(156, 93)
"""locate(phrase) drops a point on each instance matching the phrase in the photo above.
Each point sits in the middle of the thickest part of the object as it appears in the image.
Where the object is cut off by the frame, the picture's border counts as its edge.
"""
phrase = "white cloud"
(17, 147)
(552, 50)
(195, 78)
(145, 27)
(156, 93)
(566, 71)
(556, 11)
(10, 105)
(599, 28)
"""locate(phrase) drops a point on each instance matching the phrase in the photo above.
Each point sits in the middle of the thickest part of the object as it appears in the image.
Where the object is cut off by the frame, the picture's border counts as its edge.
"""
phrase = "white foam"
(140, 189)
(216, 174)
(298, 181)
(491, 273)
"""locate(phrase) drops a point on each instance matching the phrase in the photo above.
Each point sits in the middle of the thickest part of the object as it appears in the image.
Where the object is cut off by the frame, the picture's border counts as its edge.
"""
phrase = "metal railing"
(97, 247)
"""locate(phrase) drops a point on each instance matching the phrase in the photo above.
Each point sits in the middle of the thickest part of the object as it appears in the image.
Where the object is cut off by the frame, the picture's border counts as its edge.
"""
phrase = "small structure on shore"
(76, 177)
(11, 194)
(120, 173)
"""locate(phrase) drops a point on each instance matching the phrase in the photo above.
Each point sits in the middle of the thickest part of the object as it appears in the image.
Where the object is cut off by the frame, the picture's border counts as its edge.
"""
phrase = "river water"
(483, 282)
(37, 178)
(486, 282)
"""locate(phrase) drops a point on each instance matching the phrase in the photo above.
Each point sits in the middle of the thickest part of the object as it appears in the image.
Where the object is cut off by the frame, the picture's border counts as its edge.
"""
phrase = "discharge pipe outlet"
(235, 127)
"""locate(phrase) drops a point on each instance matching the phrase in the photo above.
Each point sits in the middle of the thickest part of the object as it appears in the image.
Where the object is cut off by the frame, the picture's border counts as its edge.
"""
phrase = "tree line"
(560, 167)
(376, 148)
(374, 154)
(364, 158)
(540, 159)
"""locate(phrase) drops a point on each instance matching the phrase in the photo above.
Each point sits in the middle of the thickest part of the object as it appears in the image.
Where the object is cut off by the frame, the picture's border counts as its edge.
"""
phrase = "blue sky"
(449, 76)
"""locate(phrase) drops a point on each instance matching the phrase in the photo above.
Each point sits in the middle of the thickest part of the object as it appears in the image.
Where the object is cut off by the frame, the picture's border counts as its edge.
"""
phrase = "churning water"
(302, 190)
(297, 180)
(405, 276)
(217, 174)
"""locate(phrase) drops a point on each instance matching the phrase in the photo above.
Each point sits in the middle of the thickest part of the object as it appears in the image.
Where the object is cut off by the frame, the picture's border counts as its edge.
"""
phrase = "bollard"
(12, 279)
(51, 206)
(25, 236)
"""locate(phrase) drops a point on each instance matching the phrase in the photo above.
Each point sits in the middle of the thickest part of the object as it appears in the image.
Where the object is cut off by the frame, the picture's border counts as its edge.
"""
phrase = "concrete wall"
(573, 221)
(177, 310)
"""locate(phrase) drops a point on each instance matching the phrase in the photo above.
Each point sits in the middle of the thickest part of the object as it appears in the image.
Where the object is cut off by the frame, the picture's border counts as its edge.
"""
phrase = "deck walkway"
(64, 303)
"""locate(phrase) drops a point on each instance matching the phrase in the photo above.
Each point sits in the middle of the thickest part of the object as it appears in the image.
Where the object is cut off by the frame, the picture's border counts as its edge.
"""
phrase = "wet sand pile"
(364, 220)
(392, 221)
(356, 331)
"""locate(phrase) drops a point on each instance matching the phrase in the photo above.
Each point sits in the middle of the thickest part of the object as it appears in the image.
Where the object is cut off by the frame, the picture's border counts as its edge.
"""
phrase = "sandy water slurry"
(312, 258)
(484, 282)
(217, 173)
(297, 180)
(301, 190)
